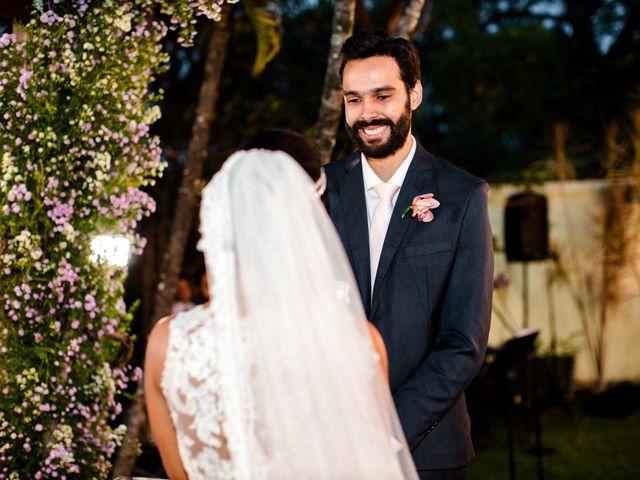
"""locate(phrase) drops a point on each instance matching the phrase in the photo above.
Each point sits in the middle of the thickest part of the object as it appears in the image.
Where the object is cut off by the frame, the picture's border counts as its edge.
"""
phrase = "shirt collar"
(371, 179)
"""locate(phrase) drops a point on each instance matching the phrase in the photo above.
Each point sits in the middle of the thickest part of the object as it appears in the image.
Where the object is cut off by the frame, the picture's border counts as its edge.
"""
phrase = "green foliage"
(501, 74)
(266, 23)
(581, 447)
(497, 76)
(75, 151)
(285, 95)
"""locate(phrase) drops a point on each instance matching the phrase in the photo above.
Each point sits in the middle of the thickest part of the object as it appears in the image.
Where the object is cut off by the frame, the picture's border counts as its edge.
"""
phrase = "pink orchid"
(422, 206)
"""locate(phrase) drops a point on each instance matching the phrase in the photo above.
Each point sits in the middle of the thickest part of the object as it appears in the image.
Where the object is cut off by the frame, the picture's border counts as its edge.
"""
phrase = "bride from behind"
(278, 377)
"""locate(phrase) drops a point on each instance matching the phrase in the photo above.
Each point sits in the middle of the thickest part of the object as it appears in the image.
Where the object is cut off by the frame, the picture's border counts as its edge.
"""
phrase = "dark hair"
(200, 271)
(302, 149)
(378, 44)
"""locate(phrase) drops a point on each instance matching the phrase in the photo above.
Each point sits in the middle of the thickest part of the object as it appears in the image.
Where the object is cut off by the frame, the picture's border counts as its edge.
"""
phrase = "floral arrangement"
(75, 151)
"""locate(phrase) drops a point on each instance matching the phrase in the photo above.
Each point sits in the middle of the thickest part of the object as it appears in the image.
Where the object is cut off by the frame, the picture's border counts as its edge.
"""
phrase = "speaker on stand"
(526, 227)
(526, 239)
(526, 235)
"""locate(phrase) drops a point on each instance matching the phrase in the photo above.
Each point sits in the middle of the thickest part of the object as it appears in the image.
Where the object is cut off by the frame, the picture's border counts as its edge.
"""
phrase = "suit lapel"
(419, 180)
(354, 208)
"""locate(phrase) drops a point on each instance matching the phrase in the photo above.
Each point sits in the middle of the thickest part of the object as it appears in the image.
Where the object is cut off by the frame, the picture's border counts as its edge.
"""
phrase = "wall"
(575, 213)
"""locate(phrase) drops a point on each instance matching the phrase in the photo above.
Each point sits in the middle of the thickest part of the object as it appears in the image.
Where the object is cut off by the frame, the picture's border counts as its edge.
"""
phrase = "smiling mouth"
(374, 132)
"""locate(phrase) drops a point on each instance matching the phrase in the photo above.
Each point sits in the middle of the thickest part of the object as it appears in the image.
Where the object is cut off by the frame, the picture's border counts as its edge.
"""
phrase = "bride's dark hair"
(302, 149)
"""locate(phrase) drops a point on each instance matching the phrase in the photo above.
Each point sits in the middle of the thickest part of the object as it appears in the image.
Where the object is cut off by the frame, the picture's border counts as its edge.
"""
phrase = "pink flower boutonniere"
(422, 206)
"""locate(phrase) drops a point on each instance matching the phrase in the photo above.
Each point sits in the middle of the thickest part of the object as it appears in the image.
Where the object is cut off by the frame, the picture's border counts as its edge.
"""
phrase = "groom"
(425, 280)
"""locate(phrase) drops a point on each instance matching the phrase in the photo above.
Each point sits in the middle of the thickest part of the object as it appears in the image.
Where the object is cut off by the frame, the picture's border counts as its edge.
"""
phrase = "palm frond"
(266, 20)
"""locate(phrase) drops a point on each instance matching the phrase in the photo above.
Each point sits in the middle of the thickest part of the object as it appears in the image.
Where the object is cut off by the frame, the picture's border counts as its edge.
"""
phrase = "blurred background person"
(184, 296)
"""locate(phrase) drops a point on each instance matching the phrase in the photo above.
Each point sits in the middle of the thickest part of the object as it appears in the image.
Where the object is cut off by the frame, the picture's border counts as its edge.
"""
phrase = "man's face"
(377, 105)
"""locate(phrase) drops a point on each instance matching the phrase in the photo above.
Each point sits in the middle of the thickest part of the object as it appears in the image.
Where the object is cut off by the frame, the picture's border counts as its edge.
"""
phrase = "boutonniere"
(422, 206)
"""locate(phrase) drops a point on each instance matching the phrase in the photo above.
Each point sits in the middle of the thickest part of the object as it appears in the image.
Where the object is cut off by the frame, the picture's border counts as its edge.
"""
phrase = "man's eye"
(353, 100)
(384, 97)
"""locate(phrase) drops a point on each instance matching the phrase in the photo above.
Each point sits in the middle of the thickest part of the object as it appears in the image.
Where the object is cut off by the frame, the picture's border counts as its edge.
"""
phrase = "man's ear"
(415, 95)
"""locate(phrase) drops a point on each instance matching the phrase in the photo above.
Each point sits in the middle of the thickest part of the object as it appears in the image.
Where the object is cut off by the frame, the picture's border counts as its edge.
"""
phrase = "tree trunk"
(363, 20)
(181, 225)
(196, 154)
(392, 16)
(331, 105)
(411, 17)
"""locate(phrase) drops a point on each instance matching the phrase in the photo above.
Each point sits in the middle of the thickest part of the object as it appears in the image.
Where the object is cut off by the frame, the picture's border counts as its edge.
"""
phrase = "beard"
(380, 148)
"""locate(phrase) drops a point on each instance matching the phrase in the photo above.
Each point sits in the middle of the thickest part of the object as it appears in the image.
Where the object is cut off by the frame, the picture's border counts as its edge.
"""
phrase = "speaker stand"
(525, 294)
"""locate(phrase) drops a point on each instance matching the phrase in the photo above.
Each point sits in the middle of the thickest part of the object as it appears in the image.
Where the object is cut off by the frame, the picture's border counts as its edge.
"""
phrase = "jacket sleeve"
(458, 351)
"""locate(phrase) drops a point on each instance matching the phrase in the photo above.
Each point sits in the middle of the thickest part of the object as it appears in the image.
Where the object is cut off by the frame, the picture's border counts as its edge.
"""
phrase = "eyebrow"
(375, 91)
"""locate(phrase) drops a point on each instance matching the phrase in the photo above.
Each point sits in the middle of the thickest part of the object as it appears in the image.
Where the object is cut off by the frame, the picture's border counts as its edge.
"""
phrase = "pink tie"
(380, 223)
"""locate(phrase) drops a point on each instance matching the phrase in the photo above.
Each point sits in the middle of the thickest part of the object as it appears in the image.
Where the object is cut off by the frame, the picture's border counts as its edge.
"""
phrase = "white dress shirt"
(371, 180)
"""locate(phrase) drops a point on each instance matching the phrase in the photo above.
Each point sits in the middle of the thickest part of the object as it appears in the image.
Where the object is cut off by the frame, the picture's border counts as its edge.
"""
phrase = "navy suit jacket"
(432, 297)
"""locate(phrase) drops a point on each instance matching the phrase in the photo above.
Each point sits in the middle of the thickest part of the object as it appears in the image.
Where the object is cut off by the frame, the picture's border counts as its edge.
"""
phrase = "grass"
(580, 448)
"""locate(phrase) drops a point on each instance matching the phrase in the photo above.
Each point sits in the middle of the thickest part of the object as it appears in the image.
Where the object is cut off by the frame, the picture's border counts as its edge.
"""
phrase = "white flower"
(123, 21)
(151, 115)
(25, 241)
(64, 434)
(103, 380)
(8, 167)
(118, 434)
(69, 232)
(8, 258)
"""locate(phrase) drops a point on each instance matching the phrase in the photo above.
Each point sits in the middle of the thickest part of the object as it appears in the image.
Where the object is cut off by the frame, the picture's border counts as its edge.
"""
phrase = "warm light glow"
(113, 250)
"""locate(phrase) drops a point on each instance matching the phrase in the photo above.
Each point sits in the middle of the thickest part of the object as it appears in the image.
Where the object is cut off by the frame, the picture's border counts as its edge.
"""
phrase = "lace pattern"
(190, 381)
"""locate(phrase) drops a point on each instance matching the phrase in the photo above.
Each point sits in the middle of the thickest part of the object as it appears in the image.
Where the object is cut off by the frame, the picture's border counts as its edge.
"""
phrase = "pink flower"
(422, 206)
(501, 281)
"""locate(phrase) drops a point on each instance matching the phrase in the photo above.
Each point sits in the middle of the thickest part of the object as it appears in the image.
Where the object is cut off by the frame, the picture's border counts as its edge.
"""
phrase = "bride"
(278, 378)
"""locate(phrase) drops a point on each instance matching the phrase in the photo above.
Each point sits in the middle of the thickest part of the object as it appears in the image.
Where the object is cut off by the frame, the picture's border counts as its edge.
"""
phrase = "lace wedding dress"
(190, 384)
(278, 378)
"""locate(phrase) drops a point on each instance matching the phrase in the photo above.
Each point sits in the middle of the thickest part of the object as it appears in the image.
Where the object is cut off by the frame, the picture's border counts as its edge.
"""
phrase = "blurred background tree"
(498, 75)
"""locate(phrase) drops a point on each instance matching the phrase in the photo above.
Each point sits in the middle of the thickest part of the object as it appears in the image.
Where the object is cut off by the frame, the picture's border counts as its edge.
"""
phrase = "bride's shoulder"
(157, 347)
(160, 332)
(181, 324)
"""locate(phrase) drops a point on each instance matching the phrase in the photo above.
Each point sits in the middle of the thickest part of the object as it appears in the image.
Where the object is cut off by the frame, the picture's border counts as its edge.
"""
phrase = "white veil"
(300, 386)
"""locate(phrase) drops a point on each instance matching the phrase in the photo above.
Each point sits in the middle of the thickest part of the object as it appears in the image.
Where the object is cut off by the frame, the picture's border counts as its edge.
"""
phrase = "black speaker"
(526, 227)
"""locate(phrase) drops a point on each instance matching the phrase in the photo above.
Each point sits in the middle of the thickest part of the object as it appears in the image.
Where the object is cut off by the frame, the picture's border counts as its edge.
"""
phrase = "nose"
(369, 110)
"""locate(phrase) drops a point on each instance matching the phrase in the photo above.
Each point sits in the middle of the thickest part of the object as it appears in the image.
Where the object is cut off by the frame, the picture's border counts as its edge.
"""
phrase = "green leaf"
(265, 18)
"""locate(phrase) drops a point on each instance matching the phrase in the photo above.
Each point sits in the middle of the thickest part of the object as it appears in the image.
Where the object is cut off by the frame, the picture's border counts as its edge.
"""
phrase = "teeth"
(374, 131)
